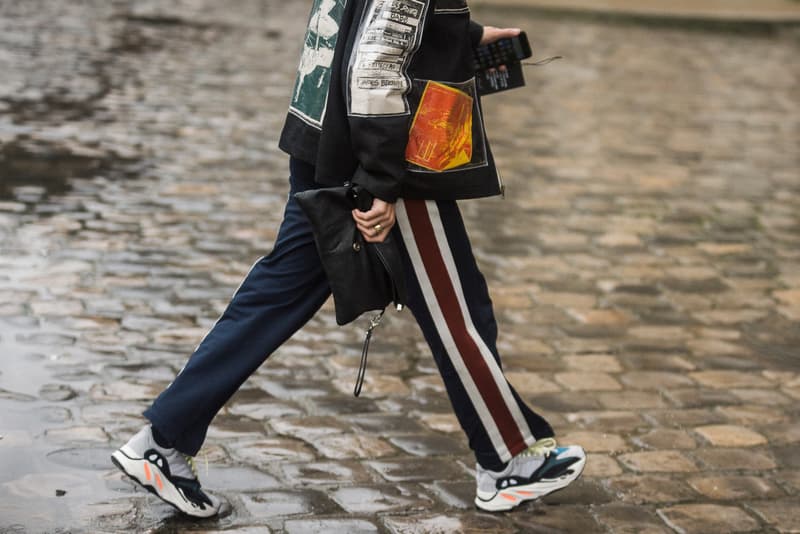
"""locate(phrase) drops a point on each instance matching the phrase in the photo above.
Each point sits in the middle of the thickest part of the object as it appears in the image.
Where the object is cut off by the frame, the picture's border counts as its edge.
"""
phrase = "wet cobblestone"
(644, 264)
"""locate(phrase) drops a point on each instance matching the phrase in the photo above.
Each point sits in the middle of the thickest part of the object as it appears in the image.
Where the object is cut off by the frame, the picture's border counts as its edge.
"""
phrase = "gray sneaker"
(541, 469)
(166, 473)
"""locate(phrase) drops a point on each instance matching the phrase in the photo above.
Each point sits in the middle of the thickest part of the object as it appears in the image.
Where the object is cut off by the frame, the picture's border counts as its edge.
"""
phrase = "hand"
(376, 223)
(492, 34)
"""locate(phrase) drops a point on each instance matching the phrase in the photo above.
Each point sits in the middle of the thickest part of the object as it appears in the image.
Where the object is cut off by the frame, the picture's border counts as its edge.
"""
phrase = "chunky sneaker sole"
(561, 467)
(147, 473)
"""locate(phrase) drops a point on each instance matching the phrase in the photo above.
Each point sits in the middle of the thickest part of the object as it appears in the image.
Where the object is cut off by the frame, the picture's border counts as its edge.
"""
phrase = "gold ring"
(378, 228)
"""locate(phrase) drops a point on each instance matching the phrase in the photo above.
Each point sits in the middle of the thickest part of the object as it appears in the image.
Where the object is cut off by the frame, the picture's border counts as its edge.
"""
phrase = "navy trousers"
(447, 295)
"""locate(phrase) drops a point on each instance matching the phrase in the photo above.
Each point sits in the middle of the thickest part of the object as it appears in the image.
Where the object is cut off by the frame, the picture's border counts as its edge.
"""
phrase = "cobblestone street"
(645, 265)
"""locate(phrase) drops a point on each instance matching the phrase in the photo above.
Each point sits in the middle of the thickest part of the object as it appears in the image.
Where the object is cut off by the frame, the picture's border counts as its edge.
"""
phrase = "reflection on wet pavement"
(644, 264)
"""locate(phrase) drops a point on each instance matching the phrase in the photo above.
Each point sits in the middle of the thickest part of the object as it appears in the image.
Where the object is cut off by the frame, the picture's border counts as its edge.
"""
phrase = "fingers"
(376, 233)
(376, 223)
(491, 34)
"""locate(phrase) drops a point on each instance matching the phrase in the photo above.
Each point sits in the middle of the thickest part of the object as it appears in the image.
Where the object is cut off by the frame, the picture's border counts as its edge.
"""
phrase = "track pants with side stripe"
(447, 295)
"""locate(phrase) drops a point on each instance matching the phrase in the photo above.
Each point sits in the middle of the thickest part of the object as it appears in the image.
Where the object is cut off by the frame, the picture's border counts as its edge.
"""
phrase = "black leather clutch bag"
(363, 276)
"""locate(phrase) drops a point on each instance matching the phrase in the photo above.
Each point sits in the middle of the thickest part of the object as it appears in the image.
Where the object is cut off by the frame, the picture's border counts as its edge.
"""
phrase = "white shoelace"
(543, 447)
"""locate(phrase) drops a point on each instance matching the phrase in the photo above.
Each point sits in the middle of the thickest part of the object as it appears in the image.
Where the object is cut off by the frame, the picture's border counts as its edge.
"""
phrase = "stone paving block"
(756, 415)
(768, 397)
(414, 404)
(429, 445)
(582, 491)
(659, 332)
(656, 380)
(595, 441)
(779, 514)
(603, 363)
(658, 362)
(790, 297)
(420, 469)
(686, 417)
(578, 345)
(385, 424)
(607, 317)
(619, 240)
(701, 398)
(411, 525)
(527, 383)
(666, 438)
(325, 526)
(729, 379)
(566, 402)
(601, 466)
(427, 383)
(789, 481)
(229, 428)
(730, 436)
(792, 391)
(735, 459)
(294, 389)
(341, 405)
(529, 348)
(587, 381)
(664, 461)
(342, 446)
(708, 518)
(441, 422)
(375, 386)
(557, 518)
(562, 241)
(469, 523)
(511, 297)
(607, 421)
(183, 337)
(453, 494)
(648, 489)
(781, 377)
(124, 391)
(565, 300)
(781, 433)
(77, 434)
(735, 487)
(625, 518)
(716, 347)
(391, 364)
(374, 499)
(729, 317)
(264, 452)
(274, 504)
(61, 307)
(316, 473)
(629, 399)
(308, 428)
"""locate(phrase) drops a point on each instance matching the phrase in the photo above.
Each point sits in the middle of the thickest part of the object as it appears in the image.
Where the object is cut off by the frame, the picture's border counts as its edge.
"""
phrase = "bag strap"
(362, 368)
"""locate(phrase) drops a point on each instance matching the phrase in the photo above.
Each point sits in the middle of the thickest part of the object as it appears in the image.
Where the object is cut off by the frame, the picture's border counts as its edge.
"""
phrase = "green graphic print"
(310, 94)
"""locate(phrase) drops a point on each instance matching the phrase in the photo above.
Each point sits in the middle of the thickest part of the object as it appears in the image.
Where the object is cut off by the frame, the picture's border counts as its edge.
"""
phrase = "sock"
(160, 440)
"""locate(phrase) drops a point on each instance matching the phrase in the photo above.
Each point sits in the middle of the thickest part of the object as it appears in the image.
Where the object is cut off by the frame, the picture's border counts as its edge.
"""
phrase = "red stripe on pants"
(445, 293)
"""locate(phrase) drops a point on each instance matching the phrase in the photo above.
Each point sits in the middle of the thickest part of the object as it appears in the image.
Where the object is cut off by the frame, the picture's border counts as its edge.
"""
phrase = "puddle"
(33, 168)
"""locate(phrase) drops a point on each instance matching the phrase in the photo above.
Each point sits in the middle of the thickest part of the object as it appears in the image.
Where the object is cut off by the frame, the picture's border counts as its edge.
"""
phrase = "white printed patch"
(310, 96)
(388, 37)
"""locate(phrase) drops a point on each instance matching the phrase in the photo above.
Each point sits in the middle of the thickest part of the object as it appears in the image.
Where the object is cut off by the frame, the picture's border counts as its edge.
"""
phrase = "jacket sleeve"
(475, 33)
(377, 86)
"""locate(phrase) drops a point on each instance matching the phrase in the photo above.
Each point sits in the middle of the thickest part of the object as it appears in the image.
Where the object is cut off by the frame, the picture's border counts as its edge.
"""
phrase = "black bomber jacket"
(385, 98)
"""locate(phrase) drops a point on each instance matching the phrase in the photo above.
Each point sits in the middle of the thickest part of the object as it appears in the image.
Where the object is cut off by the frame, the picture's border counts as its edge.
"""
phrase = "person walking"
(384, 98)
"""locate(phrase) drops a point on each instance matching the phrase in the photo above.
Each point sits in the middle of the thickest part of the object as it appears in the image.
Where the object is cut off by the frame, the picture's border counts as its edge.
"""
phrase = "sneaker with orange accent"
(166, 473)
(541, 469)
